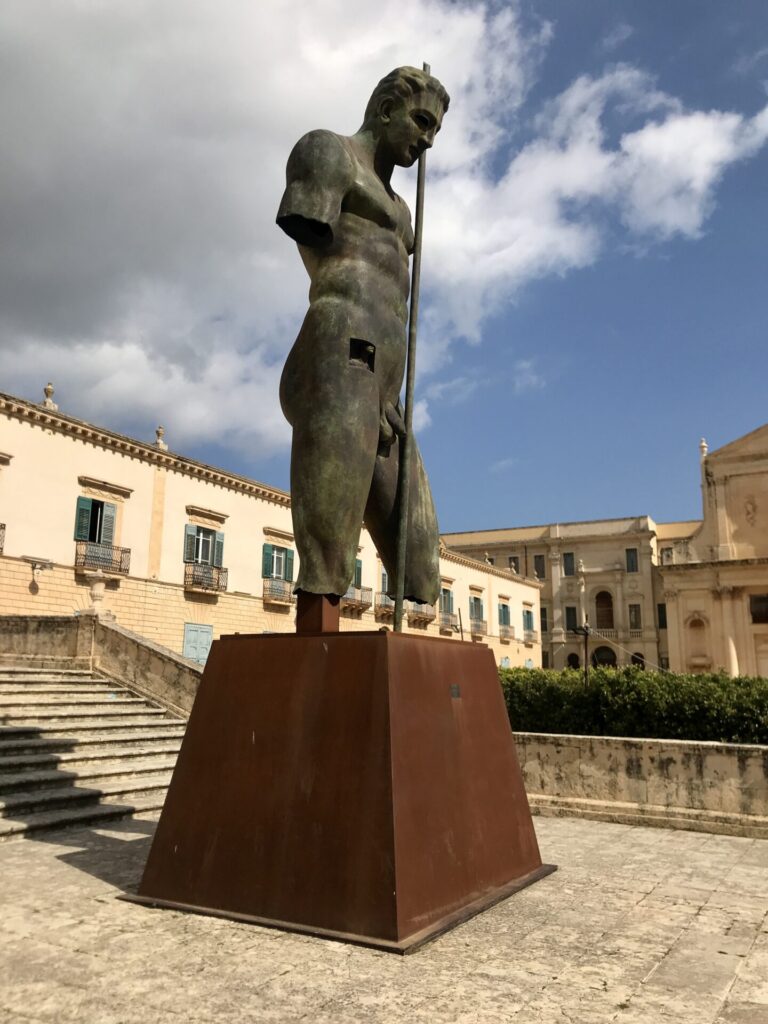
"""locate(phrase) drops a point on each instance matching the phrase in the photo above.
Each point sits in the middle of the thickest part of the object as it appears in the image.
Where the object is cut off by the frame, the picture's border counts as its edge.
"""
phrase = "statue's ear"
(385, 109)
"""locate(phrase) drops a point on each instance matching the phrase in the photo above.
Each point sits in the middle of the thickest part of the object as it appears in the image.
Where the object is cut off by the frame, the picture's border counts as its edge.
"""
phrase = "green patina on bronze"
(341, 382)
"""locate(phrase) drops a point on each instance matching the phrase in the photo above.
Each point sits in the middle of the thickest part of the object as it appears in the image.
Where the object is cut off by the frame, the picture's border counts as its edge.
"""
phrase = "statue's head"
(406, 110)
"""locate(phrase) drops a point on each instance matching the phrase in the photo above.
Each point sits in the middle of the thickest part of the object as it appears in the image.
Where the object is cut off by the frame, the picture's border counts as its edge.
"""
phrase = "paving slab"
(637, 925)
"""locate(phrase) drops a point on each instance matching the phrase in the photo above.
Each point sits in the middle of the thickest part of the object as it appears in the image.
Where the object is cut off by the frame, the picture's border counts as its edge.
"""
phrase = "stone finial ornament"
(703, 448)
(48, 402)
(159, 442)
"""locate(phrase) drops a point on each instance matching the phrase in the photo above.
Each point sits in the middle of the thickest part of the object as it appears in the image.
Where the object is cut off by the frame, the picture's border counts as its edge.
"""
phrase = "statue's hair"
(402, 83)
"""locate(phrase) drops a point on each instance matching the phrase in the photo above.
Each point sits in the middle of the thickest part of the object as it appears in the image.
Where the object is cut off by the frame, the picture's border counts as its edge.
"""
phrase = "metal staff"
(404, 477)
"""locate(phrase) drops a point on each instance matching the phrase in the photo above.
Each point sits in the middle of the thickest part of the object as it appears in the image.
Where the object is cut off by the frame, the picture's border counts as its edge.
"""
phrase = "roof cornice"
(39, 416)
(451, 555)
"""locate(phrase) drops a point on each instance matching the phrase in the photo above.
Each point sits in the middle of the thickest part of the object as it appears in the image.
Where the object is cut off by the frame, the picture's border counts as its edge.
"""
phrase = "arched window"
(604, 657)
(638, 659)
(604, 610)
(573, 661)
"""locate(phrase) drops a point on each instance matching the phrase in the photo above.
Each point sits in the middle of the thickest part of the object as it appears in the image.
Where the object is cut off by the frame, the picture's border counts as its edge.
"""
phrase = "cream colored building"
(690, 596)
(181, 552)
(715, 582)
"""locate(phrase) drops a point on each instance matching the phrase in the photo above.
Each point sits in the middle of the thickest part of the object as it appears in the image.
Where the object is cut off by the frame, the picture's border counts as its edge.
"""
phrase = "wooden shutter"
(358, 573)
(218, 550)
(266, 561)
(82, 518)
(190, 541)
(108, 516)
(450, 601)
(288, 574)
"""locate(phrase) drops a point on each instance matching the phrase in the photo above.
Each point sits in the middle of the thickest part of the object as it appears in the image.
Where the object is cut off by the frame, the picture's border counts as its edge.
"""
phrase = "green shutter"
(82, 518)
(266, 562)
(358, 573)
(108, 517)
(190, 540)
(450, 601)
(218, 550)
(288, 575)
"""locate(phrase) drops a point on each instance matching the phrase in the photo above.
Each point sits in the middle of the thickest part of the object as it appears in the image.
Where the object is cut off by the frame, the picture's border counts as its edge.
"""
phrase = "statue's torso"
(360, 282)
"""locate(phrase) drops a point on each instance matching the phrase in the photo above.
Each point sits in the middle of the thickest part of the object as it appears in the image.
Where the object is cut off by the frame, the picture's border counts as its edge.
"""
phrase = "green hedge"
(636, 702)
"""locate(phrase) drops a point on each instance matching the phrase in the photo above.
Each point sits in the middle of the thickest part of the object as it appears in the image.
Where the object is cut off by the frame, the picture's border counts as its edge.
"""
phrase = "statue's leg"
(422, 566)
(335, 436)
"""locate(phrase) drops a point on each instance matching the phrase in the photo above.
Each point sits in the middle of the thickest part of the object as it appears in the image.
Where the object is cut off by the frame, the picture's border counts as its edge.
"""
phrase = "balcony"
(384, 606)
(420, 614)
(448, 622)
(478, 627)
(506, 632)
(530, 636)
(606, 634)
(209, 579)
(2, 537)
(278, 592)
(357, 599)
(635, 634)
(89, 555)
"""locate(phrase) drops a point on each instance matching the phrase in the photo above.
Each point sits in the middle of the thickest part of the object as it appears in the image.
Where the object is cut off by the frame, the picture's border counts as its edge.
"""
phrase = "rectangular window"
(95, 521)
(490, 559)
(545, 659)
(384, 581)
(476, 608)
(358, 581)
(544, 619)
(203, 546)
(514, 563)
(539, 567)
(570, 616)
(568, 564)
(631, 554)
(277, 563)
(527, 619)
(667, 556)
(504, 614)
(758, 606)
(635, 617)
(661, 611)
(446, 600)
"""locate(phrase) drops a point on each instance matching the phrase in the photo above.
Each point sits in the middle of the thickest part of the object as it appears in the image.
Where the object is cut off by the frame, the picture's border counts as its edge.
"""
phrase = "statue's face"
(410, 126)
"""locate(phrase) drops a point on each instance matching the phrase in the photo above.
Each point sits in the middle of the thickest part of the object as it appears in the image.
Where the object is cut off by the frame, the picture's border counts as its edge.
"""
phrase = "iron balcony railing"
(278, 591)
(89, 555)
(205, 577)
(506, 632)
(478, 627)
(2, 537)
(530, 636)
(419, 611)
(383, 604)
(448, 620)
(358, 597)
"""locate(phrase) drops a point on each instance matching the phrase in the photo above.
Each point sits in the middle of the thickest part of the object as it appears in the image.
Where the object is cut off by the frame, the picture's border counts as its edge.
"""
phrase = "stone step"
(16, 804)
(64, 817)
(93, 774)
(73, 717)
(16, 741)
(72, 760)
(10, 702)
(76, 689)
(47, 675)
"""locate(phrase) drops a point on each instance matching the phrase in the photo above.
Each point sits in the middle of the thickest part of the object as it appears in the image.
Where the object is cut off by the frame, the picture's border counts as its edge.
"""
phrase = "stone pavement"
(636, 925)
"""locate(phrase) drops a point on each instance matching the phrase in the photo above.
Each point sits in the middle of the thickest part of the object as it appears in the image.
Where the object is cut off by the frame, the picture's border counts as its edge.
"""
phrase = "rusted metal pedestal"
(361, 786)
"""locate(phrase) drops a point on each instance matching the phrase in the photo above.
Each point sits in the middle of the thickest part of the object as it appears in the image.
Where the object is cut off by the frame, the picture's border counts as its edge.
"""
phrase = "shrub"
(636, 702)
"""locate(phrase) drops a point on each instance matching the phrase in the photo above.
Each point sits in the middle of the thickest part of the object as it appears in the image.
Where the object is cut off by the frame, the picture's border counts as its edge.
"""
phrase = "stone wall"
(710, 787)
(83, 641)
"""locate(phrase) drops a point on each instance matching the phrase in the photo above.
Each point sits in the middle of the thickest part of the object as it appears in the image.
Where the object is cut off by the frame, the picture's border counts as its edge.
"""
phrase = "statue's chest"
(367, 198)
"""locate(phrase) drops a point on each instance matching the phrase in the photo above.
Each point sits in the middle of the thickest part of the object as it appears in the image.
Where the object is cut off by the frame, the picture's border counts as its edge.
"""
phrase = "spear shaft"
(406, 449)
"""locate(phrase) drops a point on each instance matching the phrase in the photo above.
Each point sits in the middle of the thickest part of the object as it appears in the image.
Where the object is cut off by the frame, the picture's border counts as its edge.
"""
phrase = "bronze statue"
(341, 382)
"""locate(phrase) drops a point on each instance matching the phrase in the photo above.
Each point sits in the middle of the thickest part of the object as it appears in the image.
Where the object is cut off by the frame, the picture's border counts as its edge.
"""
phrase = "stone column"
(619, 609)
(727, 596)
(674, 632)
(557, 607)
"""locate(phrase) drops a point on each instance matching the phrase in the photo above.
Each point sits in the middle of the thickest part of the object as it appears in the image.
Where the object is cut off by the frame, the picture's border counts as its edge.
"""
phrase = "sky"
(594, 295)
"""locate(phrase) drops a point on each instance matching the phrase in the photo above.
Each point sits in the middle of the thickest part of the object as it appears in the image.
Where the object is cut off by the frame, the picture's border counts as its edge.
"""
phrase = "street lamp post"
(586, 632)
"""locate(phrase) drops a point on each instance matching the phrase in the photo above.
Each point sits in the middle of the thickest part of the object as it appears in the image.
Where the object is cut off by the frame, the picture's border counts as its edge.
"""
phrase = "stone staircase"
(76, 748)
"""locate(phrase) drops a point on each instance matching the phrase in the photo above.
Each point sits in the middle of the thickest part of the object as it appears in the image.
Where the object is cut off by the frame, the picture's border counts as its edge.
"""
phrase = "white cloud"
(616, 36)
(525, 377)
(141, 268)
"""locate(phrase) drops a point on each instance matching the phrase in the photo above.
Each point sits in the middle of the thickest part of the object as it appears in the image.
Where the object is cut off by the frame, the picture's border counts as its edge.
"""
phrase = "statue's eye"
(422, 121)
